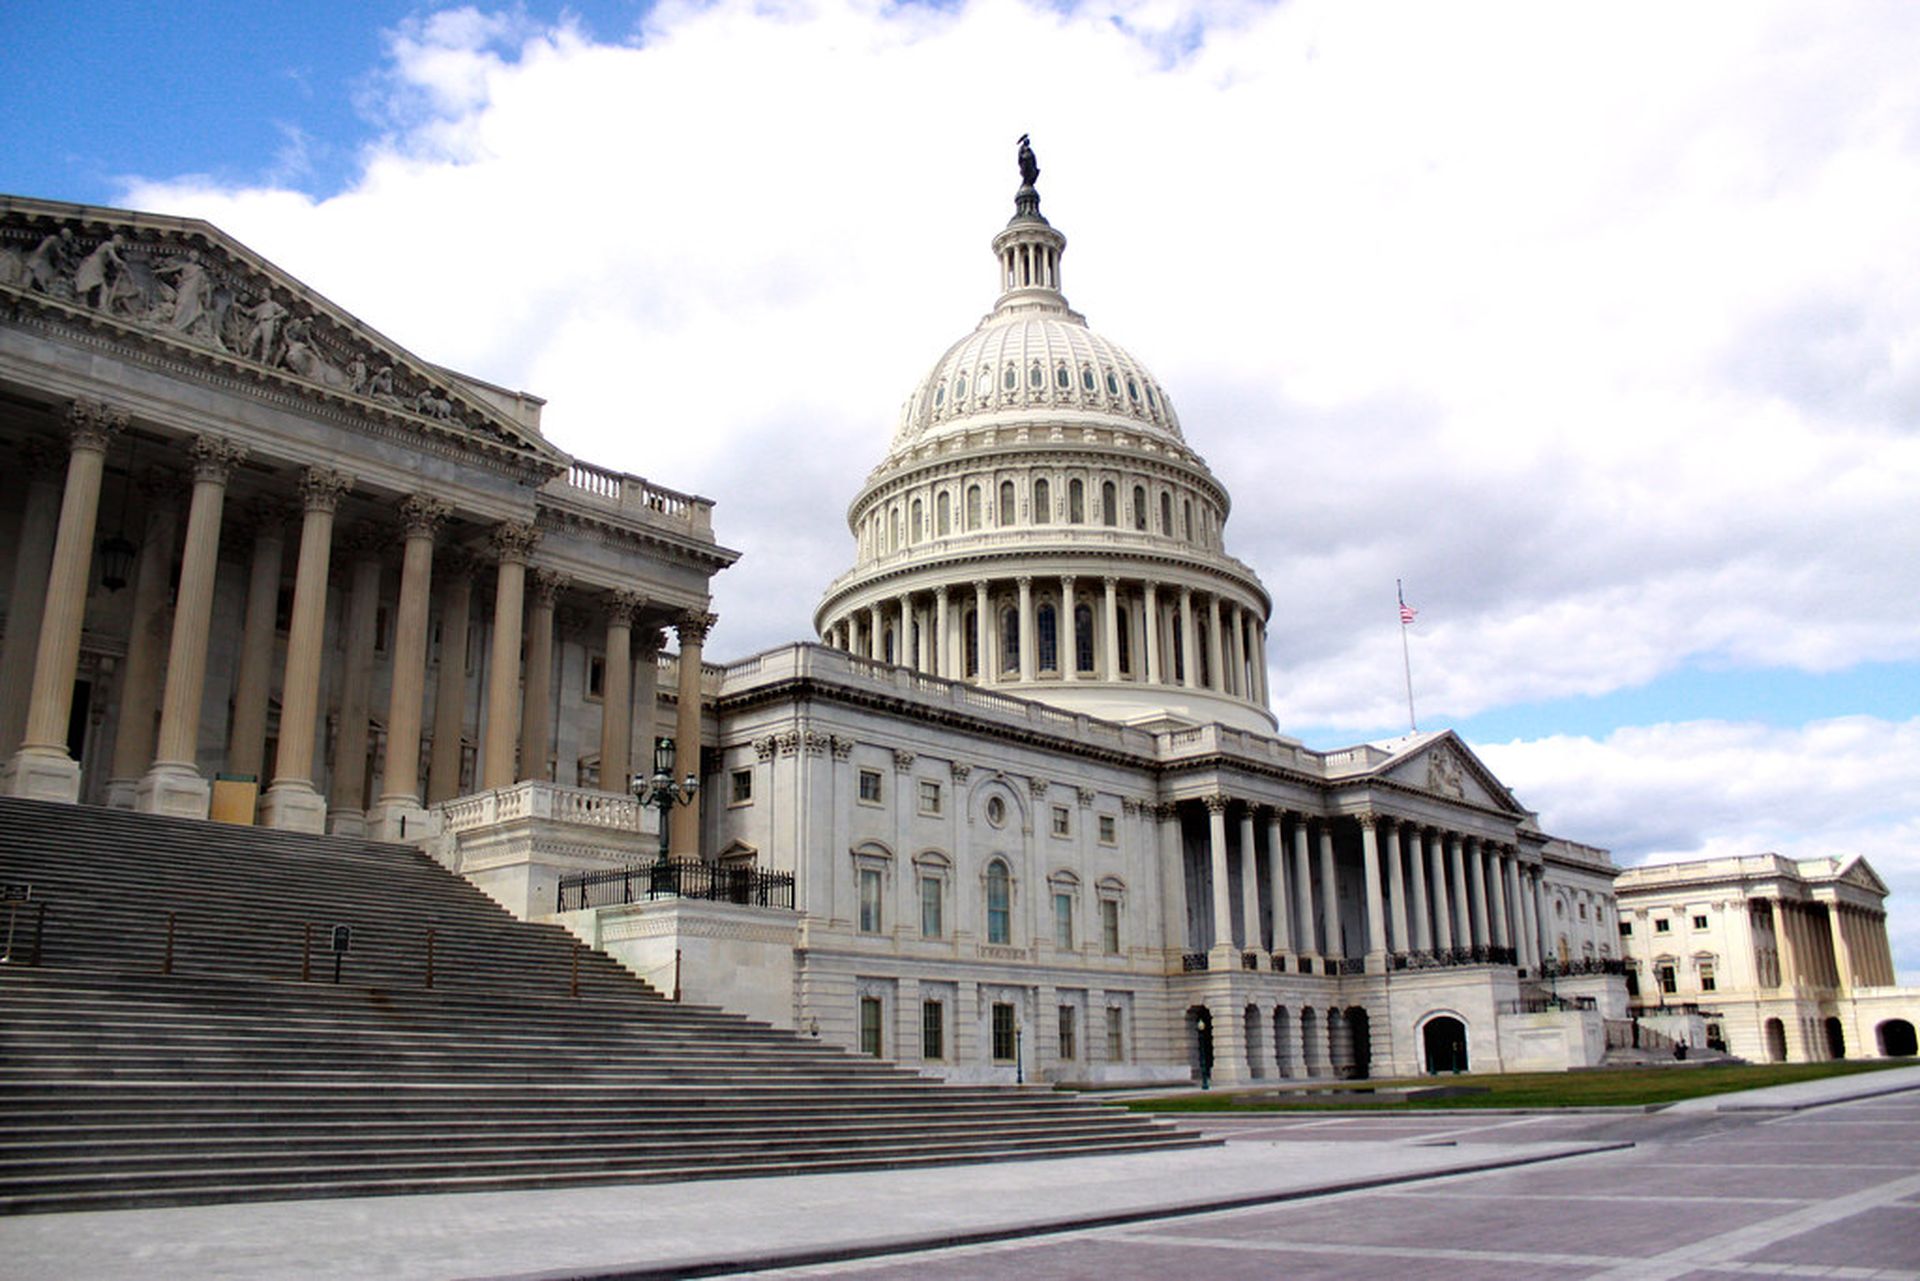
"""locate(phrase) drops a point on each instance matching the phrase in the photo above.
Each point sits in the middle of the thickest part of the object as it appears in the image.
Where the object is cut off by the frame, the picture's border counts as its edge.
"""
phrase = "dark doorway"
(1776, 1033)
(1836, 1040)
(1446, 1043)
(1200, 1044)
(1361, 1033)
(1897, 1039)
(77, 716)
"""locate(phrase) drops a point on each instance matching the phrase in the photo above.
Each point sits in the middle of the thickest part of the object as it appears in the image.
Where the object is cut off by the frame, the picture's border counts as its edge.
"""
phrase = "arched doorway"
(1310, 1041)
(1445, 1039)
(1361, 1034)
(1282, 1040)
(1255, 1059)
(1776, 1034)
(1897, 1039)
(1200, 1044)
(1836, 1040)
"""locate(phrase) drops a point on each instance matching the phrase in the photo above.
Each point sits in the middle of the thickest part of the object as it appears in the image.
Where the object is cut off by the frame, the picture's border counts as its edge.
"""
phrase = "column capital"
(92, 424)
(693, 626)
(1023, 581)
(1110, 581)
(321, 487)
(623, 604)
(980, 584)
(1369, 819)
(421, 514)
(547, 584)
(1166, 811)
(1216, 803)
(940, 592)
(512, 541)
(214, 458)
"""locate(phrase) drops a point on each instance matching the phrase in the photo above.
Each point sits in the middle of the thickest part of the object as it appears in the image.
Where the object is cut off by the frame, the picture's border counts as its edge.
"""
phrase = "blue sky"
(1600, 326)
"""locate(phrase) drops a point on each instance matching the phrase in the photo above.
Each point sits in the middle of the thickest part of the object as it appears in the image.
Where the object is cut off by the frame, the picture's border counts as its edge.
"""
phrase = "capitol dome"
(1040, 524)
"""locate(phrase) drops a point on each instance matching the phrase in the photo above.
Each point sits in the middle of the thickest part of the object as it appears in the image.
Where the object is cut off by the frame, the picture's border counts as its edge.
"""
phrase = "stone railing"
(1091, 538)
(711, 675)
(1209, 740)
(554, 802)
(635, 495)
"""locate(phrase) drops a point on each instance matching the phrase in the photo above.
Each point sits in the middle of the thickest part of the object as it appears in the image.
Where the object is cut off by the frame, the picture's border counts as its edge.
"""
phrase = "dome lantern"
(1028, 250)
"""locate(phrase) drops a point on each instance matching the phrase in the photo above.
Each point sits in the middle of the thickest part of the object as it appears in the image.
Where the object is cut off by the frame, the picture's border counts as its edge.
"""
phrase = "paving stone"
(1883, 1237)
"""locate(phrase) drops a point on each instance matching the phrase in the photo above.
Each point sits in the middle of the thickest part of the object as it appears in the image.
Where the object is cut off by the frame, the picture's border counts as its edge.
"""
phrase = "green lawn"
(1624, 1087)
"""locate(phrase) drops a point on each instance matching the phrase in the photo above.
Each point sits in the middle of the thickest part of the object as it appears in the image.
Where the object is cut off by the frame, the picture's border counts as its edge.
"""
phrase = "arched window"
(913, 524)
(1109, 504)
(1006, 502)
(1010, 380)
(973, 506)
(973, 642)
(1046, 631)
(1082, 638)
(1062, 379)
(1188, 517)
(1076, 501)
(1140, 508)
(894, 545)
(1035, 378)
(1010, 642)
(999, 903)
(943, 514)
(1042, 502)
(1086, 377)
(1166, 512)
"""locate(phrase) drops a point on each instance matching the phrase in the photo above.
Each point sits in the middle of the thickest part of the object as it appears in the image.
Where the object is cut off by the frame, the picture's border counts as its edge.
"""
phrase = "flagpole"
(1406, 660)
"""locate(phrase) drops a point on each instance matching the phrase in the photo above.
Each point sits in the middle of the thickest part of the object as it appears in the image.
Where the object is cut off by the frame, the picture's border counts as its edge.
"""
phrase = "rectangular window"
(869, 900)
(930, 923)
(1669, 980)
(933, 1031)
(596, 675)
(1068, 1050)
(1063, 922)
(929, 796)
(1110, 926)
(1626, 929)
(742, 792)
(1062, 821)
(1003, 1033)
(1116, 1035)
(1706, 976)
(1661, 925)
(870, 1026)
(1109, 830)
(870, 787)
(1699, 922)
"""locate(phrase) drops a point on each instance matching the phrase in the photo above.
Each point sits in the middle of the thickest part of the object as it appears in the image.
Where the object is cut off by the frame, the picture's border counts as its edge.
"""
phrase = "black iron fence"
(1548, 1004)
(1193, 962)
(1447, 957)
(1552, 969)
(748, 886)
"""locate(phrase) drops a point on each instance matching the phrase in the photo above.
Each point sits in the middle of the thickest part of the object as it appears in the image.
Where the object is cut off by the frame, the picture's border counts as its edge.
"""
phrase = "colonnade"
(1429, 895)
(156, 769)
(1830, 945)
(1010, 631)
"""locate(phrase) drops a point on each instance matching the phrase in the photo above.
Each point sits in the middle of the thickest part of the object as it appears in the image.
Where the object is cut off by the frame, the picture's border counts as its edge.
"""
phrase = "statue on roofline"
(1029, 167)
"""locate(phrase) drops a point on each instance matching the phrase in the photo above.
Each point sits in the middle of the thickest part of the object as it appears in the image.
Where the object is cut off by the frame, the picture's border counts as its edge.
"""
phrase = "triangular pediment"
(185, 287)
(1859, 873)
(1443, 766)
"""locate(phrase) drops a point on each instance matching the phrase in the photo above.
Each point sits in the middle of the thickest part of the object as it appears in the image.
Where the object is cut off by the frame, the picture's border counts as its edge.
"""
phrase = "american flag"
(1406, 611)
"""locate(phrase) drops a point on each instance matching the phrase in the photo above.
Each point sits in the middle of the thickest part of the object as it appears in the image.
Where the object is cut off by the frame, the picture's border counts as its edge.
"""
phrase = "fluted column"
(983, 657)
(943, 634)
(173, 785)
(140, 674)
(398, 814)
(1216, 652)
(1442, 907)
(536, 701)
(905, 652)
(1027, 650)
(1222, 892)
(513, 546)
(1376, 904)
(1236, 651)
(253, 678)
(41, 768)
(1483, 919)
(1421, 939)
(1173, 875)
(1249, 888)
(646, 693)
(1069, 653)
(1277, 876)
(1303, 891)
(1542, 918)
(1189, 659)
(616, 710)
(1397, 889)
(1110, 635)
(876, 632)
(450, 687)
(1497, 891)
(1788, 944)
(293, 802)
(43, 463)
(1329, 894)
(1153, 634)
(1462, 905)
(347, 792)
(692, 630)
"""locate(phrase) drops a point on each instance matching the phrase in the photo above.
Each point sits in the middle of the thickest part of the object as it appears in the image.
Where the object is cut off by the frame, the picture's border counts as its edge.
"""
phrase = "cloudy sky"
(1598, 326)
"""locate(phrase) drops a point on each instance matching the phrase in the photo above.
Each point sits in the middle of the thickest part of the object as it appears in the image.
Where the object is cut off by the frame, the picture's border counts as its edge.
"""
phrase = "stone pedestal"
(399, 820)
(173, 789)
(294, 805)
(42, 774)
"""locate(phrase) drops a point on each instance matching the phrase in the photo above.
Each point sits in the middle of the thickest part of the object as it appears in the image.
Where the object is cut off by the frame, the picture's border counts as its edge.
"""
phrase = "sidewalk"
(1807, 1094)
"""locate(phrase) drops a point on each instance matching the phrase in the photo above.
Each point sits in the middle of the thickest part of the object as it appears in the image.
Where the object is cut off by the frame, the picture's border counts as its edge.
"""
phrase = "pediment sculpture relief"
(204, 296)
(1444, 776)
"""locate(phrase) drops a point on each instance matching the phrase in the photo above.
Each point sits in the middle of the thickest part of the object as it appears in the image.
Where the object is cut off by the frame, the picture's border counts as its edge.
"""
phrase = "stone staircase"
(167, 1049)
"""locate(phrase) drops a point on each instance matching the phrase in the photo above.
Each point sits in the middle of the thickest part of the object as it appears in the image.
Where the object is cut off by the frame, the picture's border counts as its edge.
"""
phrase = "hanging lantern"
(116, 562)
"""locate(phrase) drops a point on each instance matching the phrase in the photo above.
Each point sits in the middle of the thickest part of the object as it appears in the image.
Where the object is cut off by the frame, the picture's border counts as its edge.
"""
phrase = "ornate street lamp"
(660, 791)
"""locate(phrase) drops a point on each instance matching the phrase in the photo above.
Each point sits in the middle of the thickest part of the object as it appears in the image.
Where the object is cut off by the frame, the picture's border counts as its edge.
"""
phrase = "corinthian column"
(174, 785)
(450, 688)
(253, 681)
(1110, 629)
(513, 545)
(1376, 904)
(1330, 894)
(398, 814)
(1216, 661)
(616, 706)
(1397, 889)
(536, 704)
(1222, 949)
(1067, 654)
(43, 462)
(1029, 668)
(1152, 637)
(293, 802)
(41, 769)
(684, 835)
(140, 675)
(942, 634)
(347, 793)
(1189, 659)
(1249, 887)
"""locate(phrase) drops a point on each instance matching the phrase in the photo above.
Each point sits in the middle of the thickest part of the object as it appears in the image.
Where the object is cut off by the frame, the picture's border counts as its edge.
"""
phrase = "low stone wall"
(515, 843)
(738, 958)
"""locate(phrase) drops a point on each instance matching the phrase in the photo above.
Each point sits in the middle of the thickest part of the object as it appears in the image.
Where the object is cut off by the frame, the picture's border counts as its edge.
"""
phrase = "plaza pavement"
(1791, 1181)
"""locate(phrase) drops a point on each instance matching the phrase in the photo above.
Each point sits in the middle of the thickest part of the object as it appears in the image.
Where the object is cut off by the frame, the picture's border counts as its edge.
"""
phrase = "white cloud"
(1704, 789)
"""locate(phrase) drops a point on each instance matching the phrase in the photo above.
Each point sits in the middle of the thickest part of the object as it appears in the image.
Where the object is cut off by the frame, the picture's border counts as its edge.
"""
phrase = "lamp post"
(660, 791)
